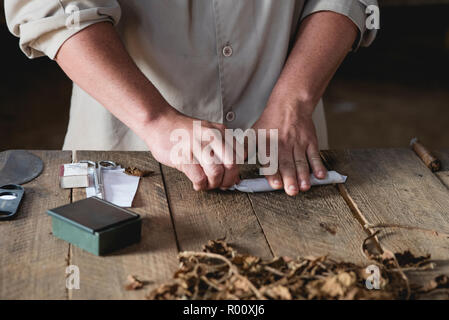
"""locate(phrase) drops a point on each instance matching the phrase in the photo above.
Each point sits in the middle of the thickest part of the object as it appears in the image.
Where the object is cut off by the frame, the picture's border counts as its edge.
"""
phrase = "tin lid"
(93, 214)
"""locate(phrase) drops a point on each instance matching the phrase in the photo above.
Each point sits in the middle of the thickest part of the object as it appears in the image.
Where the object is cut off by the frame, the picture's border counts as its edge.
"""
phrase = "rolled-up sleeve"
(44, 25)
(356, 10)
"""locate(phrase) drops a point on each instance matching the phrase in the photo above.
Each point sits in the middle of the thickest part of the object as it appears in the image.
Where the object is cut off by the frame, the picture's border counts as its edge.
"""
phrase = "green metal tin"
(96, 226)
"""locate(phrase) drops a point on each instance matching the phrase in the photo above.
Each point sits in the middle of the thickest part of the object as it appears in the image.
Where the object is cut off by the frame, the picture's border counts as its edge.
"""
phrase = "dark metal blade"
(19, 167)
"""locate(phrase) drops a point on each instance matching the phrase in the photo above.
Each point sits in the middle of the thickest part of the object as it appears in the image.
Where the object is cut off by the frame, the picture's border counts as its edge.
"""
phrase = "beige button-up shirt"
(216, 60)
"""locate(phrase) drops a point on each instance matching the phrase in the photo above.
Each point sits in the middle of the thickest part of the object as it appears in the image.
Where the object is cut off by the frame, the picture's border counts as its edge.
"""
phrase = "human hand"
(297, 144)
(217, 169)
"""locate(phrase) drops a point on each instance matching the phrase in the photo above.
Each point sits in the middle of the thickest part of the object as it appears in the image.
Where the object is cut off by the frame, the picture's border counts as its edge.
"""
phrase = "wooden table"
(389, 186)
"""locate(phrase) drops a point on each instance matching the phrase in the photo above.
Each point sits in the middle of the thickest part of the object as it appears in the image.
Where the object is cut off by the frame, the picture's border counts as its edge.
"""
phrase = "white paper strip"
(75, 169)
(119, 187)
(262, 185)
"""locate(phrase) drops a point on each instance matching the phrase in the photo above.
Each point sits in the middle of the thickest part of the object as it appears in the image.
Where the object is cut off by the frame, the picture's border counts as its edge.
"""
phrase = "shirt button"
(227, 51)
(230, 116)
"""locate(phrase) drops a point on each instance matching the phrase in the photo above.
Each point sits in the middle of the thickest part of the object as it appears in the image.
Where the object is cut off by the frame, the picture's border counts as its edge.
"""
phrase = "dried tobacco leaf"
(278, 292)
(134, 283)
(404, 260)
(440, 282)
(338, 285)
(407, 259)
(219, 272)
(133, 171)
(219, 247)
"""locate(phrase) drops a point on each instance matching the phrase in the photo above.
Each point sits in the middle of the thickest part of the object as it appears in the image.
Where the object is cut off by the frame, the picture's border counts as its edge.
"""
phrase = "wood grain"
(154, 259)
(203, 216)
(32, 261)
(314, 223)
(443, 155)
(443, 174)
(393, 186)
(388, 186)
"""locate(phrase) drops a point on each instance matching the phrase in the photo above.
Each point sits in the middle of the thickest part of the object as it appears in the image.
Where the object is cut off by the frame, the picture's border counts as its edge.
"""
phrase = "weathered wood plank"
(314, 223)
(393, 186)
(203, 216)
(32, 261)
(443, 155)
(443, 174)
(154, 259)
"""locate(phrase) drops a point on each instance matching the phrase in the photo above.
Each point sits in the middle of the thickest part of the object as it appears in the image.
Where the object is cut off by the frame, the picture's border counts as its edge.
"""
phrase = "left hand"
(297, 144)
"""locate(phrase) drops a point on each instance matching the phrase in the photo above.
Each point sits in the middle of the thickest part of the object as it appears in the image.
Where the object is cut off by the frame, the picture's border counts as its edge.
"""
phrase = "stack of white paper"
(119, 187)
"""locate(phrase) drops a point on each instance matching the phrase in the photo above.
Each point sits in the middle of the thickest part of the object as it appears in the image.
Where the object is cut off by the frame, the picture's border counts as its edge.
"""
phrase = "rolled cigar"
(424, 154)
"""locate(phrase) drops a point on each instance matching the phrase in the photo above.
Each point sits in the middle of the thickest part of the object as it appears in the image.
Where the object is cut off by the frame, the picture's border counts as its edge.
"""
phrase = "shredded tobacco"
(133, 171)
(220, 272)
(134, 283)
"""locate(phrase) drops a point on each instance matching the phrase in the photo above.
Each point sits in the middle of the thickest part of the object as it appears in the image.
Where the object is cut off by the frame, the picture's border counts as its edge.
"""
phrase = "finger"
(213, 141)
(230, 176)
(240, 145)
(288, 173)
(208, 157)
(224, 152)
(195, 174)
(214, 172)
(275, 180)
(318, 168)
(234, 169)
(302, 169)
(250, 145)
(231, 173)
(240, 148)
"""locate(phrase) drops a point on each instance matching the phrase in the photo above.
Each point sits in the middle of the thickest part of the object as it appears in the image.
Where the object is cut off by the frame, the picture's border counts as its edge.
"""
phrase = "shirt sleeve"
(356, 10)
(44, 25)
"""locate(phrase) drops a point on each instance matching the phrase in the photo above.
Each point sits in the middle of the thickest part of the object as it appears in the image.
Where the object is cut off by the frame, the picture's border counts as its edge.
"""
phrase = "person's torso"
(216, 60)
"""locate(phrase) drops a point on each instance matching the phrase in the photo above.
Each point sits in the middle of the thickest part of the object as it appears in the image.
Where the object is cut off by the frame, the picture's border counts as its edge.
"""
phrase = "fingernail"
(321, 174)
(303, 184)
(292, 188)
(277, 182)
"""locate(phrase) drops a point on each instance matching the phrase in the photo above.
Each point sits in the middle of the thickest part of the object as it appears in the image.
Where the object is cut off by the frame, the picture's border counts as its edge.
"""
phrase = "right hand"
(204, 175)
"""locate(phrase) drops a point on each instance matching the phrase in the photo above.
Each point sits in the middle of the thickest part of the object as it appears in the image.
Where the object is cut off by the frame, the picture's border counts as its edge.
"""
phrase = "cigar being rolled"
(424, 154)
(262, 185)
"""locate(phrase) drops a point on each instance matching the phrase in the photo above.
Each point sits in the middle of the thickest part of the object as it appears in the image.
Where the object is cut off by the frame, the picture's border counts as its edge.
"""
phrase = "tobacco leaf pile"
(219, 272)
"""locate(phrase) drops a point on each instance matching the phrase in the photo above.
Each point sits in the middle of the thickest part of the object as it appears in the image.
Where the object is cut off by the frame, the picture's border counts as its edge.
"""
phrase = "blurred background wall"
(380, 97)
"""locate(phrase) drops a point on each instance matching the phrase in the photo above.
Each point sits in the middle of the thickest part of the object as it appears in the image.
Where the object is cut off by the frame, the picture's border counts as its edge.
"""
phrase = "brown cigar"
(424, 154)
